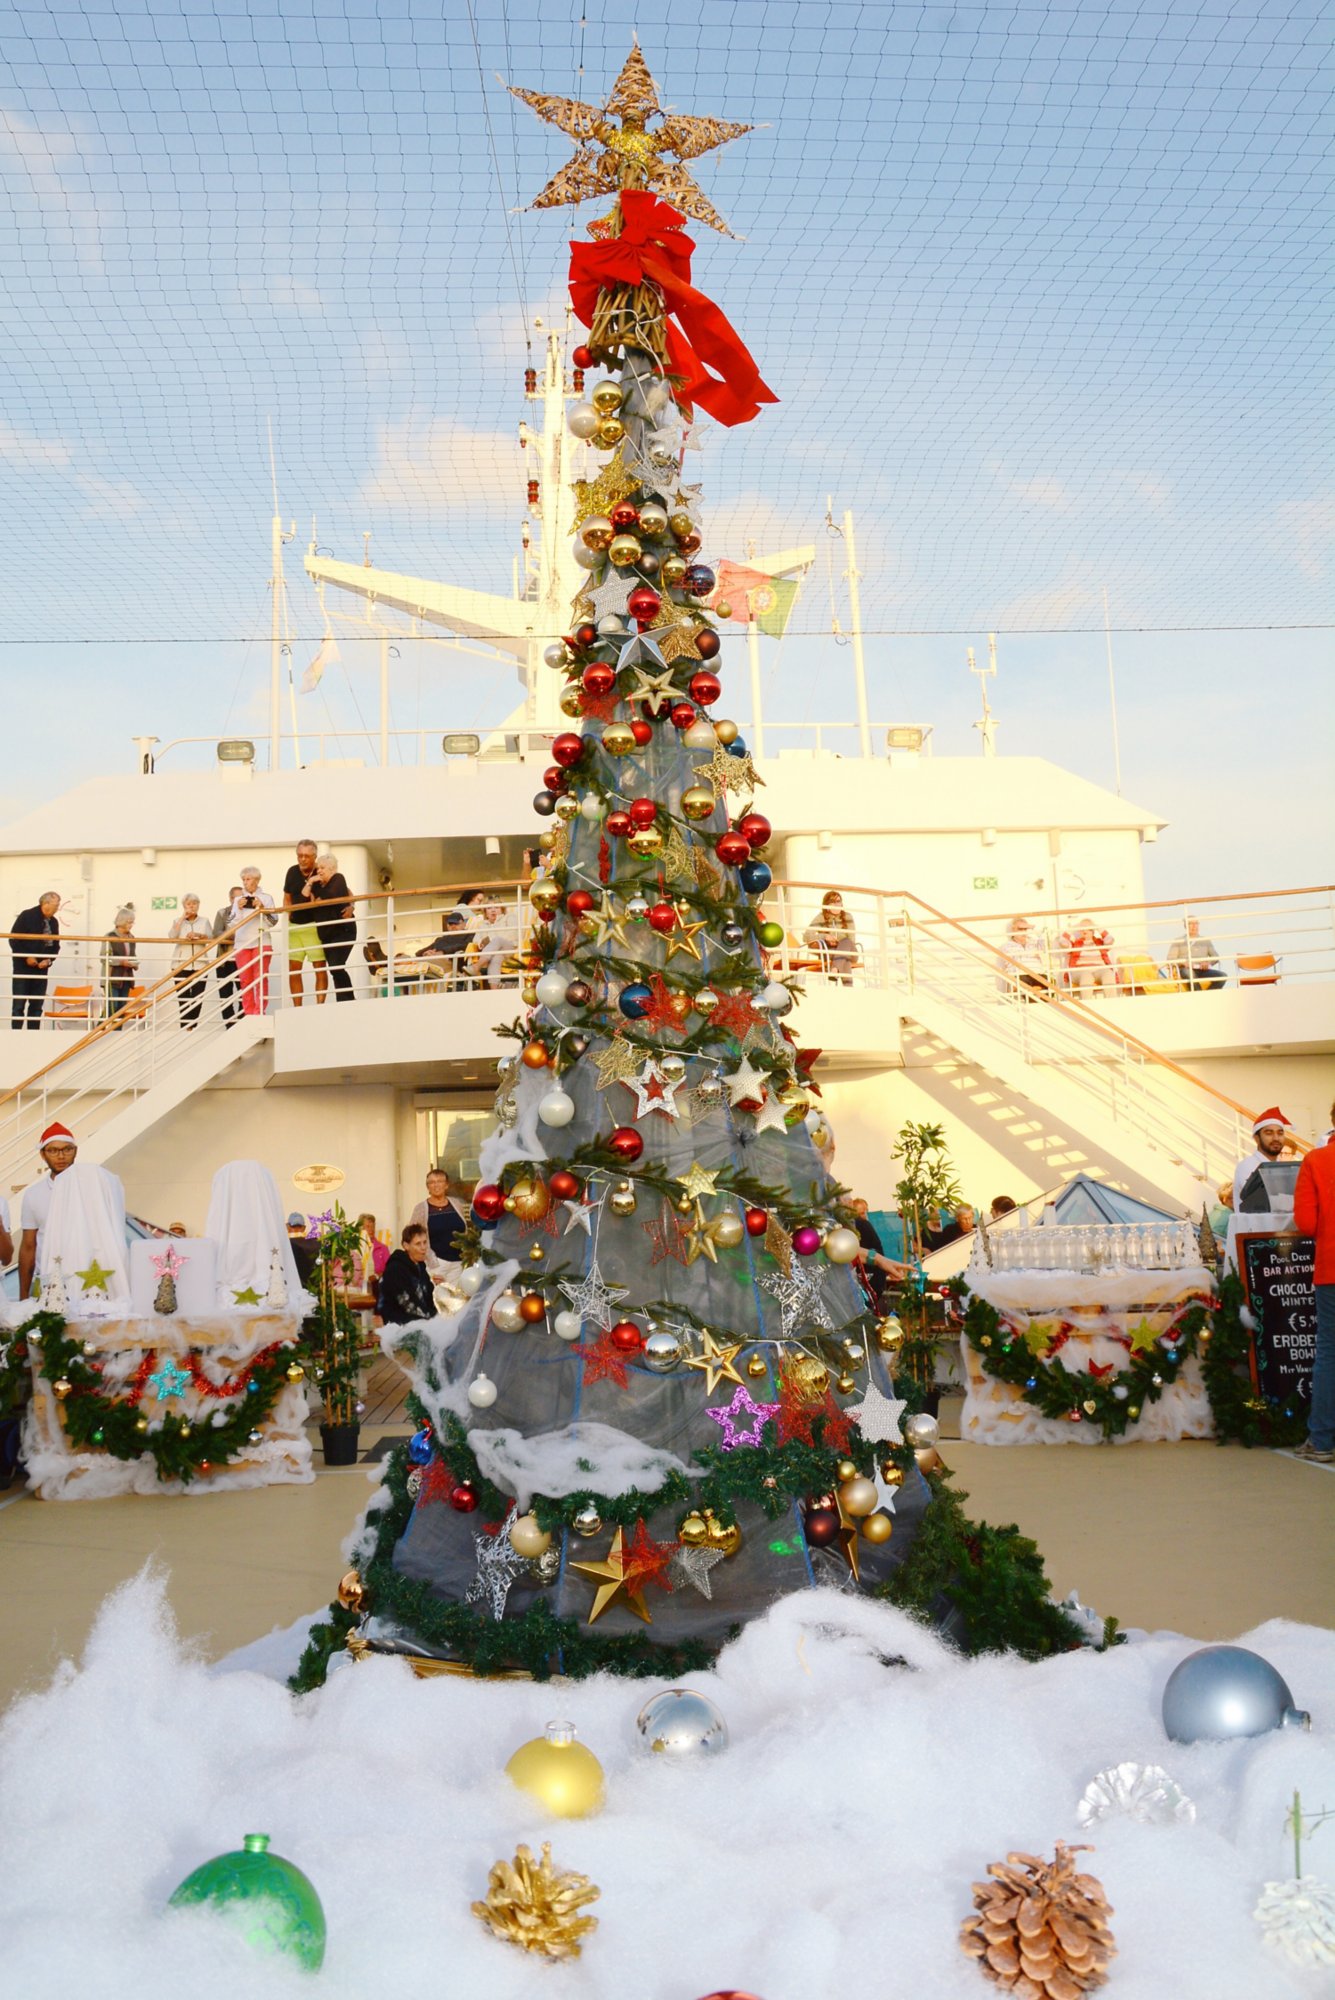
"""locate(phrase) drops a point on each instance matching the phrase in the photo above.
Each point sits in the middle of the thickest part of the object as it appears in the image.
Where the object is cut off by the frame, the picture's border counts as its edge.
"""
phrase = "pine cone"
(1041, 1929)
(536, 1906)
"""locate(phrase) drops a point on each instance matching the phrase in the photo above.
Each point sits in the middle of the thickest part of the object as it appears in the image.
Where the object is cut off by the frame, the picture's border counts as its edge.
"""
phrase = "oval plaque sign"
(318, 1179)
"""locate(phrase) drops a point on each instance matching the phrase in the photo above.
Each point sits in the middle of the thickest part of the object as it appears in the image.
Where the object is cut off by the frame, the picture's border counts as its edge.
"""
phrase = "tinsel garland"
(1058, 1394)
(992, 1577)
(181, 1449)
(1217, 1334)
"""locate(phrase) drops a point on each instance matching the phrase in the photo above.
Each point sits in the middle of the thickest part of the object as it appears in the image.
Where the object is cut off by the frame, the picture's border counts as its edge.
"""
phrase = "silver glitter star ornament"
(499, 1566)
(877, 1416)
(800, 1301)
(692, 1566)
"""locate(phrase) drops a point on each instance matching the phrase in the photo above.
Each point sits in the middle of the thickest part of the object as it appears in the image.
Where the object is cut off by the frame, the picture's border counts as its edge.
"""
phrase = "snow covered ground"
(830, 1852)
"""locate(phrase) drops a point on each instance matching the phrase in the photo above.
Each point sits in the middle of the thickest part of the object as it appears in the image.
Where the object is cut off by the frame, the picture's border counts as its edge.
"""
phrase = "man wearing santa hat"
(1263, 1183)
(58, 1150)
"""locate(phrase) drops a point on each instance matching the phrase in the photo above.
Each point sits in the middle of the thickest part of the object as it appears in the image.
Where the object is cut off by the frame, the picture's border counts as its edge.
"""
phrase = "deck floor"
(1191, 1538)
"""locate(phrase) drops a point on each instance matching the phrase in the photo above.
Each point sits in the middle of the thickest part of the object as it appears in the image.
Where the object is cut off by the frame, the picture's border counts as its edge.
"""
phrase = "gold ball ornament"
(757, 1366)
(858, 1496)
(352, 1591)
(571, 702)
(891, 1473)
(877, 1528)
(727, 1230)
(623, 550)
(528, 1539)
(723, 609)
(811, 1376)
(842, 1246)
(566, 808)
(653, 519)
(596, 532)
(529, 993)
(681, 523)
(545, 894)
(725, 1535)
(726, 731)
(606, 398)
(705, 1001)
(61, 1388)
(645, 840)
(618, 739)
(609, 433)
(141, 1424)
(693, 1532)
(697, 802)
(295, 1372)
(845, 1470)
(928, 1458)
(536, 1254)
(529, 1198)
(672, 569)
(561, 1773)
(587, 1522)
(622, 1199)
(845, 1384)
(889, 1334)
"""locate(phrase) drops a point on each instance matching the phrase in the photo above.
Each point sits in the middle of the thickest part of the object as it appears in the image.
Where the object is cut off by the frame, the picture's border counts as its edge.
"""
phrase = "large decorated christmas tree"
(665, 1400)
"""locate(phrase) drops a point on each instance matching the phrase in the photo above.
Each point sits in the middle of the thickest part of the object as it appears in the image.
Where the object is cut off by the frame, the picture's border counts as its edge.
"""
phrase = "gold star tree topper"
(610, 156)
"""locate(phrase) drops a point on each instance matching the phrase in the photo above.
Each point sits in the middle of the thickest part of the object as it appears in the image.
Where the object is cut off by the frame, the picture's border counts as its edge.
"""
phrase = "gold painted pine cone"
(1041, 1931)
(538, 1906)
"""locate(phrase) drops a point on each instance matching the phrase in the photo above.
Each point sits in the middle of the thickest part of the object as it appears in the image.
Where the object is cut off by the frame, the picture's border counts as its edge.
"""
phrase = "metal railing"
(899, 945)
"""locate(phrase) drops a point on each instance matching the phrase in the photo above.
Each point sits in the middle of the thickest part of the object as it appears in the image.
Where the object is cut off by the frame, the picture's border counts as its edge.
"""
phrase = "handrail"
(1161, 903)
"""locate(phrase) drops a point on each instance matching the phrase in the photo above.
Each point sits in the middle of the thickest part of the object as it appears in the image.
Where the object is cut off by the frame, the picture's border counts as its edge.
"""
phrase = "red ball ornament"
(617, 825)
(757, 1221)
(682, 715)
(626, 1143)
(707, 645)
(643, 604)
(585, 634)
(821, 1526)
(643, 812)
(705, 687)
(641, 731)
(755, 829)
(732, 848)
(532, 1308)
(567, 749)
(625, 516)
(662, 917)
(598, 678)
(626, 1336)
(489, 1202)
(581, 357)
(579, 902)
(463, 1498)
(688, 544)
(535, 1055)
(555, 779)
(563, 1185)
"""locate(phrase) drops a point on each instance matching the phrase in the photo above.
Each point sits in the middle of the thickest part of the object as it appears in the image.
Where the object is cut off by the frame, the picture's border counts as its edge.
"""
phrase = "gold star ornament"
(614, 148)
(609, 1578)
(715, 1363)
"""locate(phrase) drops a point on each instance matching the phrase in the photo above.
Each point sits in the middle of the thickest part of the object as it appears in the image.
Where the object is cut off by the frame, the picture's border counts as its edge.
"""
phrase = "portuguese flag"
(751, 596)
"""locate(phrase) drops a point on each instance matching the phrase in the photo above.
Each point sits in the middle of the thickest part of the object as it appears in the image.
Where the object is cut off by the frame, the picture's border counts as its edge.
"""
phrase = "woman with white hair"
(192, 941)
(333, 916)
(253, 917)
(119, 962)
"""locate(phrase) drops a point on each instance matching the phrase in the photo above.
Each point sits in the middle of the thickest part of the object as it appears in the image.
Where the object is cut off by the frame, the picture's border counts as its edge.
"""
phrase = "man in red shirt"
(1314, 1215)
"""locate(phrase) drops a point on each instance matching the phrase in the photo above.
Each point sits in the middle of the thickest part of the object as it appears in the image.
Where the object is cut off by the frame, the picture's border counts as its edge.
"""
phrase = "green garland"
(1111, 1404)
(993, 1578)
(1240, 1416)
(182, 1448)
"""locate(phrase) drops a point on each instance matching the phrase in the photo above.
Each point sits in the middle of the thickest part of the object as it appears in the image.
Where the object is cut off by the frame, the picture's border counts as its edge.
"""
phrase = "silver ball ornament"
(551, 988)
(588, 1521)
(505, 1313)
(1220, 1692)
(556, 1108)
(587, 558)
(583, 420)
(611, 625)
(842, 1247)
(555, 655)
(776, 999)
(482, 1392)
(469, 1280)
(567, 1326)
(662, 1351)
(921, 1431)
(700, 735)
(681, 1723)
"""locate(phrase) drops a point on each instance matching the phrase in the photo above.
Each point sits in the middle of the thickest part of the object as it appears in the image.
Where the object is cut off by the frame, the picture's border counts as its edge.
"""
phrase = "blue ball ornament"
(699, 580)
(634, 999)
(1220, 1692)
(419, 1448)
(737, 748)
(755, 877)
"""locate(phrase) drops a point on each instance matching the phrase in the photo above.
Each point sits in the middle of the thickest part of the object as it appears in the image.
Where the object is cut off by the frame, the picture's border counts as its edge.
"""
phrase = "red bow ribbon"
(703, 350)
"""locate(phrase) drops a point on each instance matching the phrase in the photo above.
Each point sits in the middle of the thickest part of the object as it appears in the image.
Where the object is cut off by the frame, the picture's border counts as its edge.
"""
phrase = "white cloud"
(57, 173)
(441, 464)
(38, 456)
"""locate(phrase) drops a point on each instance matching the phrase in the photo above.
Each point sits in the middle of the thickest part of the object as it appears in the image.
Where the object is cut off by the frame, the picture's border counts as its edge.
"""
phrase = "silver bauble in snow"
(1225, 1691)
(681, 1723)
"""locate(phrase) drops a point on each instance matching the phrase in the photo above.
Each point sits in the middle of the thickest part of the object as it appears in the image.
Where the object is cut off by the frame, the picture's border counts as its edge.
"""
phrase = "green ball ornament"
(771, 936)
(268, 1899)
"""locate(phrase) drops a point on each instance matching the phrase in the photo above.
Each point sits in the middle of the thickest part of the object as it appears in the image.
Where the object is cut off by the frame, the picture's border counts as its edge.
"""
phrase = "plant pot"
(340, 1443)
(931, 1401)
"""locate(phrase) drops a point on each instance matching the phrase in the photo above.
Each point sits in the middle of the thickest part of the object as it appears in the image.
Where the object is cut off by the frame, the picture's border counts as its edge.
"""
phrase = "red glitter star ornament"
(604, 1362)
(660, 1010)
(646, 1561)
(734, 1014)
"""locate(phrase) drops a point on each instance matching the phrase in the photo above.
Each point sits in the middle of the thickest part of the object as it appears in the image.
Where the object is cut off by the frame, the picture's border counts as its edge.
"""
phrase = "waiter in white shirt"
(1262, 1205)
(59, 1151)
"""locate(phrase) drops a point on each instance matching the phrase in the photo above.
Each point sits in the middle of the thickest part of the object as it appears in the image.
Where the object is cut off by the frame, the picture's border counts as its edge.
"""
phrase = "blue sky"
(1044, 292)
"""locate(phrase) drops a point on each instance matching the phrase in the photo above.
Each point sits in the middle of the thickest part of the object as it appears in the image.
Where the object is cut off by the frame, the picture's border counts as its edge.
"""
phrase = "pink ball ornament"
(806, 1240)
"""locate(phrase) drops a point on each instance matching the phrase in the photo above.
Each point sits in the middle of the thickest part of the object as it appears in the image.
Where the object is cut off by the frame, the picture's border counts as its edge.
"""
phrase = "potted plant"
(332, 1333)
(927, 1183)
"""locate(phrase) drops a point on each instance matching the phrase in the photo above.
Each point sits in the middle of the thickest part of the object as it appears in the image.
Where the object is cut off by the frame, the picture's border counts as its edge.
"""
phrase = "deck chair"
(1138, 973)
(1258, 968)
(71, 1005)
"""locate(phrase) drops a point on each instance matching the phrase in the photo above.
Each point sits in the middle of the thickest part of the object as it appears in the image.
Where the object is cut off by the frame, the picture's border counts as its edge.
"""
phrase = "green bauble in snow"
(269, 1900)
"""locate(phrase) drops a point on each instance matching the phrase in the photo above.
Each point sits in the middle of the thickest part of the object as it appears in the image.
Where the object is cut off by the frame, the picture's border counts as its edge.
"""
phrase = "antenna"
(986, 726)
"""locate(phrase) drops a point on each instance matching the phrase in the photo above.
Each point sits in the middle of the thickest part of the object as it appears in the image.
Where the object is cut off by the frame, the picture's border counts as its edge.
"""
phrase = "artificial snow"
(829, 1852)
(578, 1458)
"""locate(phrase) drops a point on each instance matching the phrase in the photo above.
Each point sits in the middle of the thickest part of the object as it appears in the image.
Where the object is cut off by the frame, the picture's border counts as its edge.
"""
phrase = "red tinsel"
(604, 860)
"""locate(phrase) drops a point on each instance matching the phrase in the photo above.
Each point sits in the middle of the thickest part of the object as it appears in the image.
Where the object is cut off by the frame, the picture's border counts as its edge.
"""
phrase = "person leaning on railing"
(120, 962)
(34, 942)
(336, 923)
(192, 943)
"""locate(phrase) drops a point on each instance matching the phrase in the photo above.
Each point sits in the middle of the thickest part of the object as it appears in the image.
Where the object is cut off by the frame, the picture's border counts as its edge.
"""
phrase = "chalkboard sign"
(1279, 1285)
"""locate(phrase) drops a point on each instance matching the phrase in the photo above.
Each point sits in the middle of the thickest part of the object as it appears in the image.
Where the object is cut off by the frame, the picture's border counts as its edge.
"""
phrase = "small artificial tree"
(332, 1332)
(927, 1182)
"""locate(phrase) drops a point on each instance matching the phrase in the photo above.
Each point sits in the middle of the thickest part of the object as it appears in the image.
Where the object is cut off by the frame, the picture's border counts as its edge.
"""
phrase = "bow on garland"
(703, 350)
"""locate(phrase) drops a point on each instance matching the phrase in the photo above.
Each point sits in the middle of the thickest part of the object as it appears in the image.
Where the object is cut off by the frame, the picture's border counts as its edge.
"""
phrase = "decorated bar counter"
(1081, 1335)
(165, 1365)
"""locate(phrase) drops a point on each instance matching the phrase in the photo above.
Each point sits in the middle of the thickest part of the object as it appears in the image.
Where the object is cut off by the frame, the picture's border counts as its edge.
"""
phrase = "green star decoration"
(247, 1297)
(95, 1278)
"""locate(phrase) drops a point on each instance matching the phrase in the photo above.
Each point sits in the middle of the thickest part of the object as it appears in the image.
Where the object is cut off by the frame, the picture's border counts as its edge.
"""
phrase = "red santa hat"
(57, 1135)
(1274, 1116)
